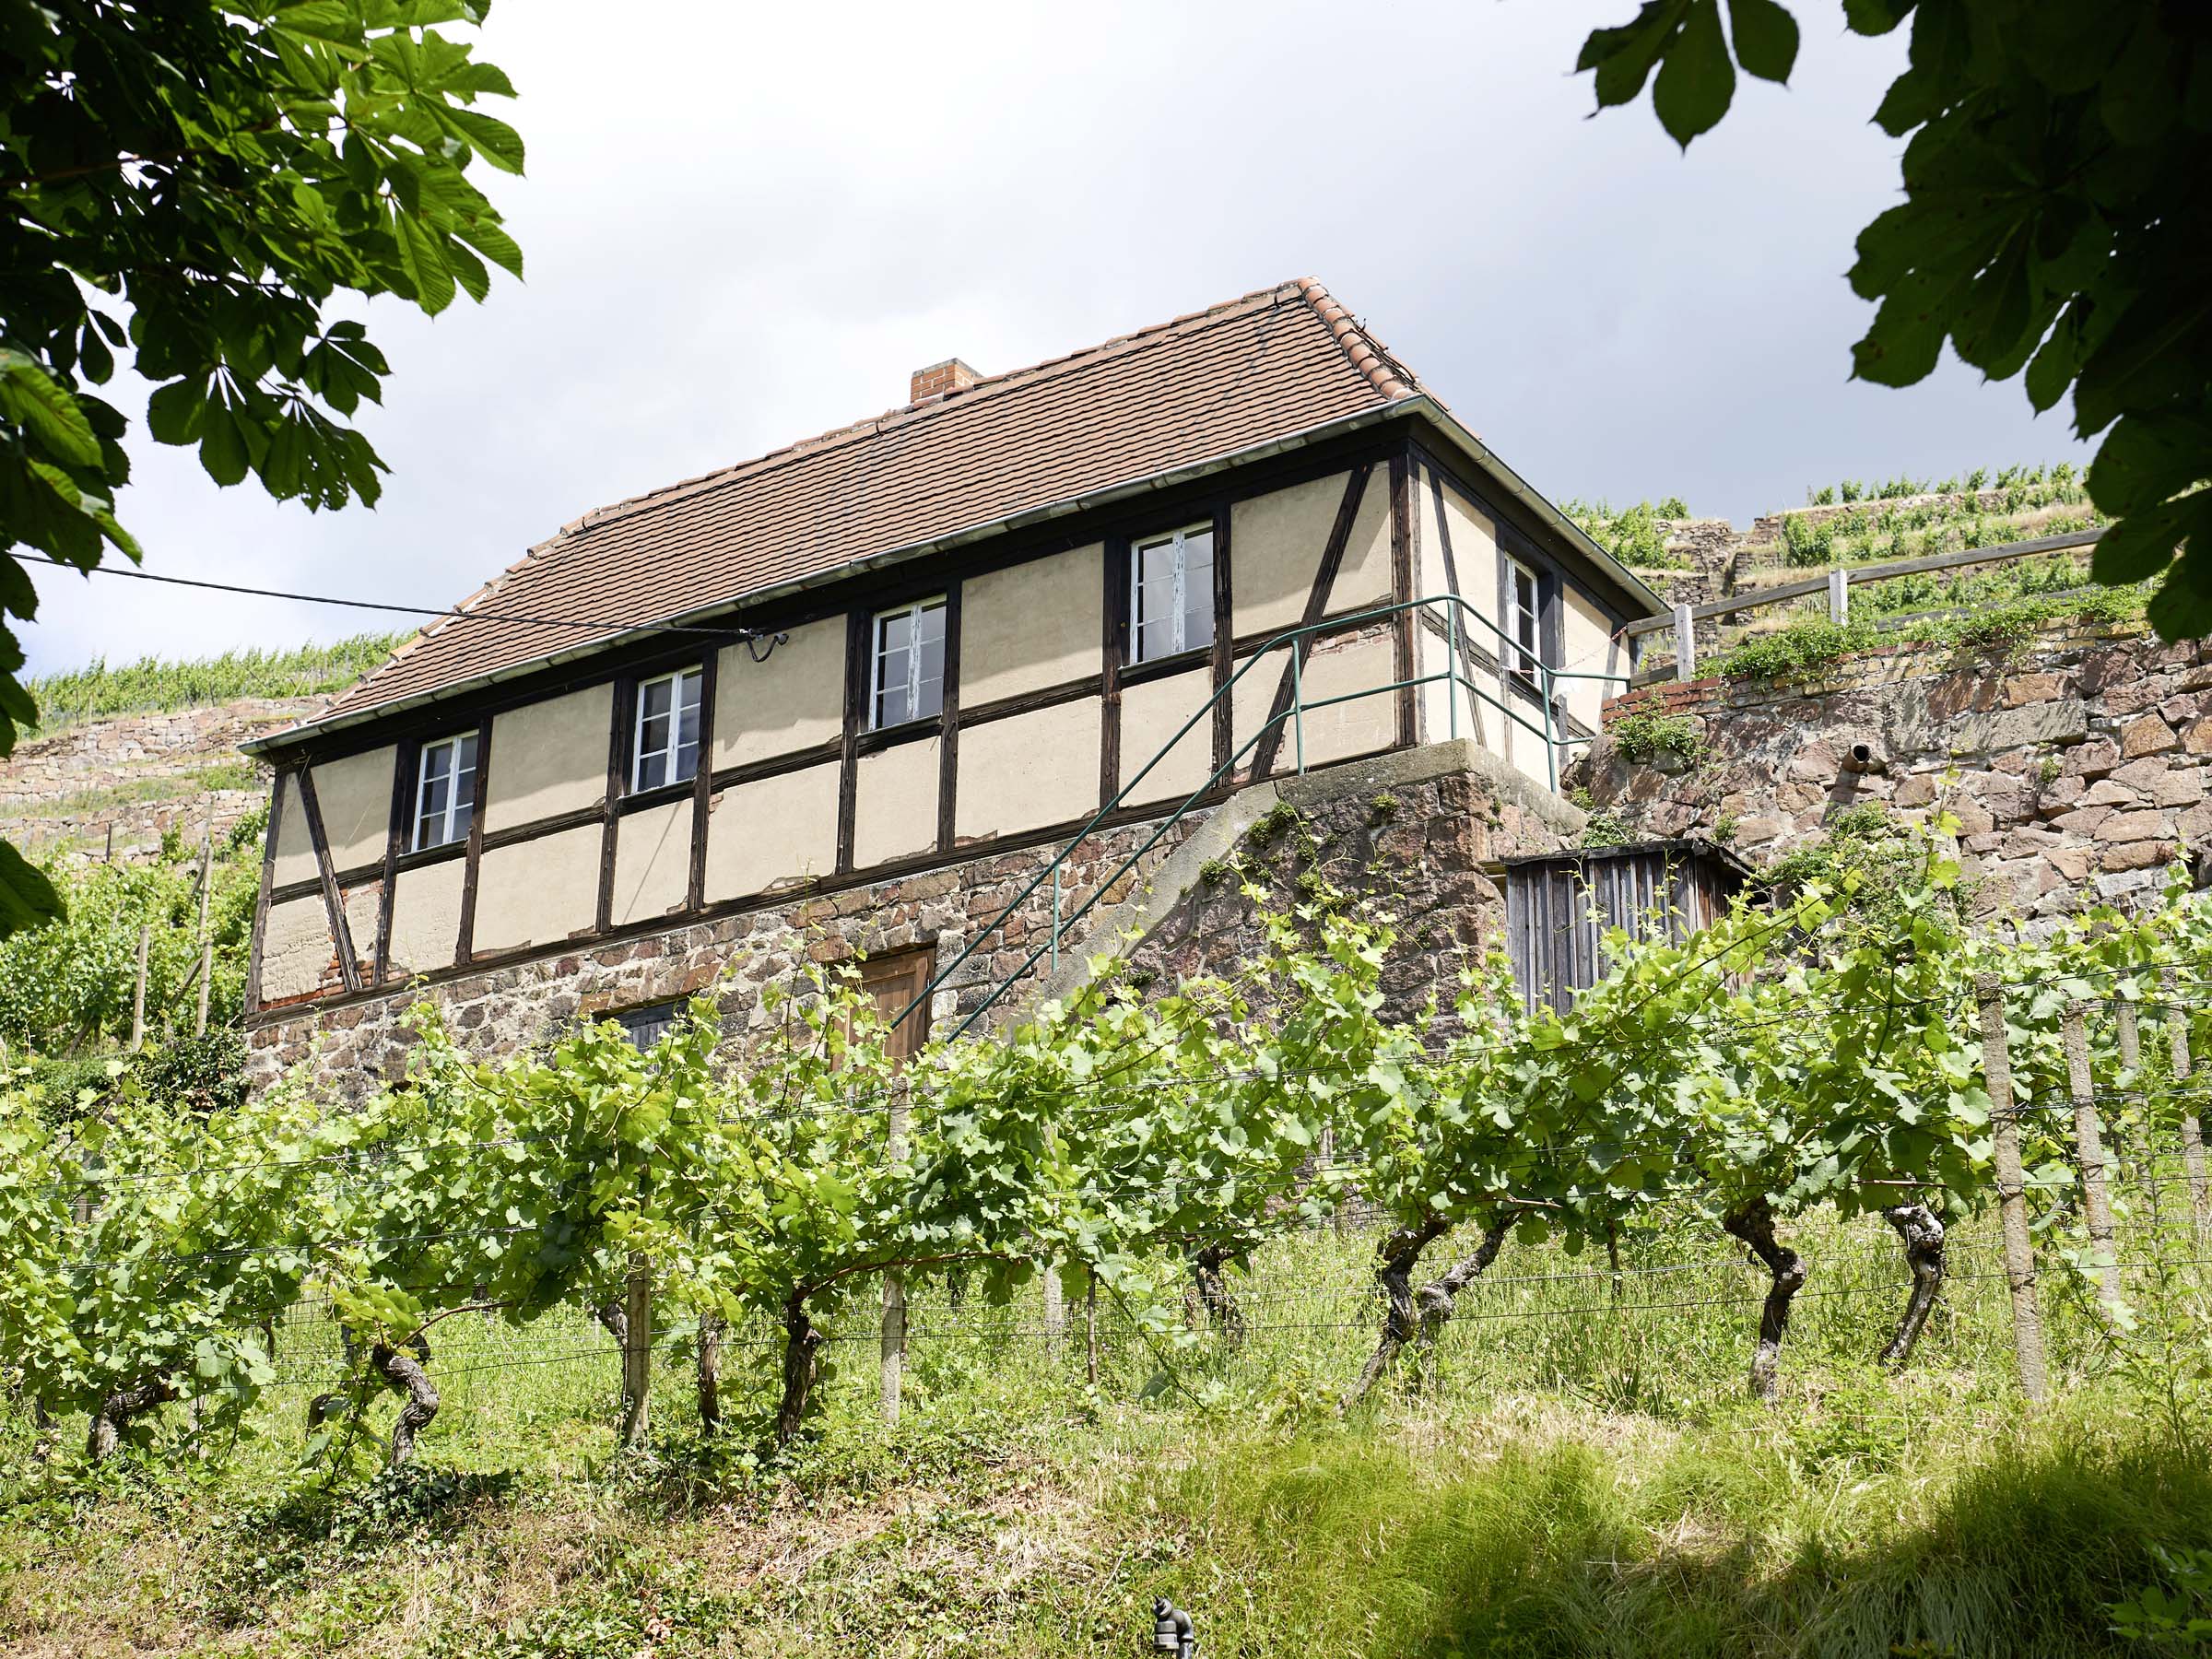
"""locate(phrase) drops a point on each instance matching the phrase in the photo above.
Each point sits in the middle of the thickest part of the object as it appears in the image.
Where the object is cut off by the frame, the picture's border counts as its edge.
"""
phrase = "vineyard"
(1836, 1190)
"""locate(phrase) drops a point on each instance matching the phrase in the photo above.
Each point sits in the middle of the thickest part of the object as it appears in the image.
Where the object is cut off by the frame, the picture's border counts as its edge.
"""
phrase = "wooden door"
(894, 981)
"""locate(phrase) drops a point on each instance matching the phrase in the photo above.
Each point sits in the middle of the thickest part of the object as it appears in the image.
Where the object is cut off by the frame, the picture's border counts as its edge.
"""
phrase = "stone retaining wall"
(141, 774)
(2076, 768)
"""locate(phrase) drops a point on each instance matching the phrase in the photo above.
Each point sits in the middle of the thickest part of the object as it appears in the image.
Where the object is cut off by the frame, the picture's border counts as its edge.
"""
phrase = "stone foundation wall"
(1424, 852)
(2075, 768)
(1420, 827)
(500, 1009)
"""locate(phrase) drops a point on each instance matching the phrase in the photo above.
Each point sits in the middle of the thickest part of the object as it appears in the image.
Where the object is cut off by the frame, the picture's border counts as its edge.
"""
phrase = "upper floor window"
(1524, 625)
(445, 791)
(906, 678)
(1171, 595)
(667, 749)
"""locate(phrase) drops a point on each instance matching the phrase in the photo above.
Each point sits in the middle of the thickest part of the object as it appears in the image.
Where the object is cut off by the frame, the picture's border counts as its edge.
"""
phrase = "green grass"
(1575, 1476)
(153, 684)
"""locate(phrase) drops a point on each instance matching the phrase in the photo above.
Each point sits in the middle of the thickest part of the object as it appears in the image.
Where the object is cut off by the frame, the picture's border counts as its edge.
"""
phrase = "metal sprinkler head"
(1171, 1630)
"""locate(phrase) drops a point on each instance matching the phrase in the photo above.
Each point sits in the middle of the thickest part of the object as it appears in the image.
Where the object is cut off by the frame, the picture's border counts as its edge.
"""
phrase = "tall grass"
(1577, 1474)
(152, 683)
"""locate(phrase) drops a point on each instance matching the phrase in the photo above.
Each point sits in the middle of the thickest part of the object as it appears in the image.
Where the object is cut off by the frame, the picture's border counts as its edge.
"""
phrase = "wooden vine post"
(2193, 1136)
(894, 1279)
(1055, 1308)
(2126, 1017)
(2089, 1148)
(199, 1018)
(145, 939)
(2012, 1190)
(1091, 1327)
(637, 1356)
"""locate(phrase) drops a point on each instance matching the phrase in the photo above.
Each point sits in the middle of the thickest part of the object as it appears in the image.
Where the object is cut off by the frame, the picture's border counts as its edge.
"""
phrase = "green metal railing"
(1514, 664)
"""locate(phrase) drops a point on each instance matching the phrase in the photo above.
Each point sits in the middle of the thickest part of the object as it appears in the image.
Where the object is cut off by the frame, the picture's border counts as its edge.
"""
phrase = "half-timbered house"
(876, 677)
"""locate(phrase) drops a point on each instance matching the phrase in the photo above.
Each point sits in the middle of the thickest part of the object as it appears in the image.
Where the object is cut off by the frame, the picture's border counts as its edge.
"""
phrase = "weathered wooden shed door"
(1558, 907)
(894, 981)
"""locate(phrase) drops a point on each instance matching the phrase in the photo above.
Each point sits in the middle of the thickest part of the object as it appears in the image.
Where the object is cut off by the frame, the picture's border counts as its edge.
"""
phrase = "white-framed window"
(1171, 594)
(906, 669)
(445, 791)
(1523, 624)
(665, 746)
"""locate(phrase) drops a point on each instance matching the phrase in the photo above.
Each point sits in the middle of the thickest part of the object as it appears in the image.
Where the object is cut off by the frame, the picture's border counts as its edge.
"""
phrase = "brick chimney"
(935, 382)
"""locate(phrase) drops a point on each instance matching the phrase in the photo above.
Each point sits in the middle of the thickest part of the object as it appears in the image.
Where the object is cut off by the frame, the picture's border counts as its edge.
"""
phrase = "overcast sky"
(748, 224)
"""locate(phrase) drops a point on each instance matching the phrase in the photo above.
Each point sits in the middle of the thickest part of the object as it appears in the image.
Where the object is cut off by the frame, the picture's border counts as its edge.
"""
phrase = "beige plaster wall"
(1589, 645)
(1151, 713)
(772, 831)
(895, 802)
(1428, 572)
(1475, 552)
(426, 916)
(355, 795)
(549, 758)
(653, 862)
(1275, 542)
(296, 948)
(793, 702)
(1363, 579)
(361, 904)
(295, 848)
(538, 891)
(1029, 771)
(1336, 667)
(1032, 626)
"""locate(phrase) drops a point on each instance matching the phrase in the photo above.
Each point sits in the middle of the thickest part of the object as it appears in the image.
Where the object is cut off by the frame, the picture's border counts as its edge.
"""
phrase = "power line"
(451, 612)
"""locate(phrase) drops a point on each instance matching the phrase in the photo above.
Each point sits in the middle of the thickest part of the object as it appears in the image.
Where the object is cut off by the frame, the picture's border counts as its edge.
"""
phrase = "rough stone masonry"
(2076, 767)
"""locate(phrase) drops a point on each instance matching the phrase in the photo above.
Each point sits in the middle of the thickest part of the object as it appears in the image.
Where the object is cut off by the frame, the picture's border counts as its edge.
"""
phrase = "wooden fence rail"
(1837, 584)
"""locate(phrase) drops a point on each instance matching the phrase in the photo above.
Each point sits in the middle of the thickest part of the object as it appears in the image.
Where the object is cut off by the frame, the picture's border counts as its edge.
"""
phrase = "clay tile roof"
(1266, 366)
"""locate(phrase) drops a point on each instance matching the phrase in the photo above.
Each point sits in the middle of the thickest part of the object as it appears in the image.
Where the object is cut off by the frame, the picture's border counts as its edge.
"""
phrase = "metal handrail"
(1452, 604)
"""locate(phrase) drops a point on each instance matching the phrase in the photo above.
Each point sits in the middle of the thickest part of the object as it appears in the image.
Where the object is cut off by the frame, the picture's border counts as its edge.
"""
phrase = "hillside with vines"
(294, 1296)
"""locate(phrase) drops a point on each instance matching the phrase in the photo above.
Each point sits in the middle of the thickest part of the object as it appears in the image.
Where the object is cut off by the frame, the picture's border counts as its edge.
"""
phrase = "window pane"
(929, 688)
(894, 636)
(933, 624)
(465, 810)
(652, 735)
(1156, 640)
(687, 730)
(890, 687)
(430, 813)
(653, 698)
(1198, 590)
(653, 769)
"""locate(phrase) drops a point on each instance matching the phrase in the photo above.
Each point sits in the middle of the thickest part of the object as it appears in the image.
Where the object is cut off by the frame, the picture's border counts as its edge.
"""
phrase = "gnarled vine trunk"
(116, 1412)
(1436, 1301)
(1416, 1316)
(710, 1374)
(614, 1318)
(1213, 1296)
(800, 1341)
(1754, 1226)
(1921, 1233)
(403, 1372)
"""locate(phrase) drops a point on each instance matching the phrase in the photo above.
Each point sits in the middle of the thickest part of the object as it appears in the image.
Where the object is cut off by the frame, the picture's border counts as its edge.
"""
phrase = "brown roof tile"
(1268, 365)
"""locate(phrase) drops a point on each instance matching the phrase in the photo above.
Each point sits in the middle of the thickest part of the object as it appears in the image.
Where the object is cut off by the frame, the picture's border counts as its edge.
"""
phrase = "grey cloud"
(746, 225)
